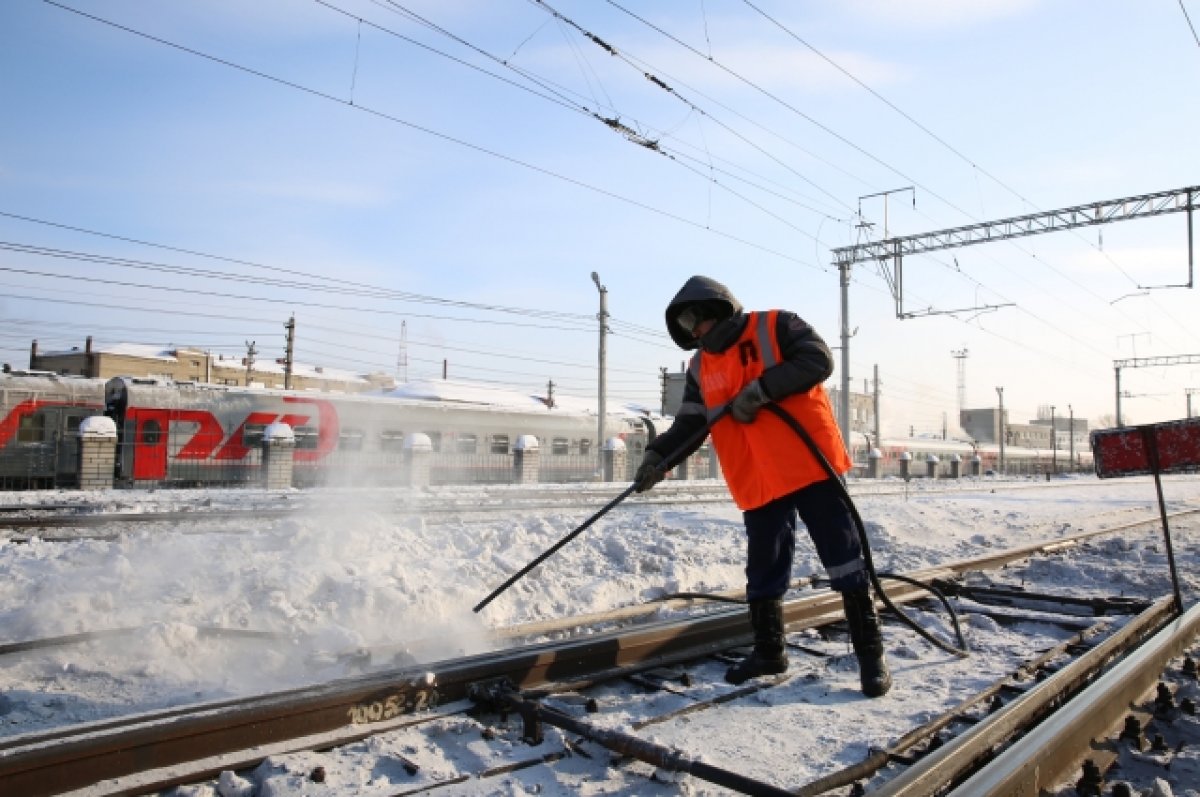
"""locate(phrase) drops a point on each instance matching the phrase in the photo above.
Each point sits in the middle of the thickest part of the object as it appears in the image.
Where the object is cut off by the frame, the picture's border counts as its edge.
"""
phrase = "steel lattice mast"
(1178, 200)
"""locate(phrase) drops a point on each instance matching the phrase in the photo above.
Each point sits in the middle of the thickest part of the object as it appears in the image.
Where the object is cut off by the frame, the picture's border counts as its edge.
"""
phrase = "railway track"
(542, 684)
(19, 522)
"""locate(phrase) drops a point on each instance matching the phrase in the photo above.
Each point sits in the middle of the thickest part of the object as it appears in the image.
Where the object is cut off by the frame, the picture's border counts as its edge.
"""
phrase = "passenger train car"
(187, 434)
(40, 414)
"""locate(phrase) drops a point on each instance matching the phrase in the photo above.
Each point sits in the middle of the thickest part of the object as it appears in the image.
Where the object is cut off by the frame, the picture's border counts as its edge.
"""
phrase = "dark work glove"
(648, 473)
(746, 404)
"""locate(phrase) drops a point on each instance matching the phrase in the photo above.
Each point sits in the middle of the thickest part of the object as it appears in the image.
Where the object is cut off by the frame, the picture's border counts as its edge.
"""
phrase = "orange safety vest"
(766, 459)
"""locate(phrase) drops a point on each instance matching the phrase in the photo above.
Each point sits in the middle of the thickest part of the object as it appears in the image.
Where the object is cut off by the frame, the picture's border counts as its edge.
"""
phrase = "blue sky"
(339, 159)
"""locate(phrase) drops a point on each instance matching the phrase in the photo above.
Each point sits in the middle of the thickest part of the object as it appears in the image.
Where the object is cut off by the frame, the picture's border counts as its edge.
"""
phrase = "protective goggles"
(692, 316)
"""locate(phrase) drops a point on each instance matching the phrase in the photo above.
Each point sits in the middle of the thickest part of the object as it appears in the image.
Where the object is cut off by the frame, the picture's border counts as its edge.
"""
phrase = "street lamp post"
(603, 356)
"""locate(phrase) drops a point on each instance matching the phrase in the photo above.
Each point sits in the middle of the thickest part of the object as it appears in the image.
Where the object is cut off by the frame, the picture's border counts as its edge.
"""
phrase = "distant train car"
(174, 433)
(40, 414)
(1017, 460)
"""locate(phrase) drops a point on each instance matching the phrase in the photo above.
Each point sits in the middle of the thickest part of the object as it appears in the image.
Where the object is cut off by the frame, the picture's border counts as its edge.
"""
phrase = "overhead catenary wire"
(288, 302)
(750, 83)
(970, 161)
(361, 108)
(452, 346)
(561, 94)
(1067, 362)
(1188, 17)
(657, 81)
(365, 288)
(378, 360)
(384, 358)
(343, 84)
(613, 122)
(333, 286)
(605, 44)
(255, 72)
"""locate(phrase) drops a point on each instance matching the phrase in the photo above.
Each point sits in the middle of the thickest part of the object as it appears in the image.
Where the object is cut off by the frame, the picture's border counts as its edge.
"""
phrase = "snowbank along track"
(152, 751)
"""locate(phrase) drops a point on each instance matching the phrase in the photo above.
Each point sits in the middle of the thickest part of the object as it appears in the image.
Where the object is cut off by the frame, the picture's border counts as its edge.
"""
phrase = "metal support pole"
(1053, 443)
(602, 389)
(1000, 424)
(1071, 409)
(289, 352)
(250, 352)
(878, 434)
(1150, 440)
(844, 396)
(1118, 370)
(1191, 245)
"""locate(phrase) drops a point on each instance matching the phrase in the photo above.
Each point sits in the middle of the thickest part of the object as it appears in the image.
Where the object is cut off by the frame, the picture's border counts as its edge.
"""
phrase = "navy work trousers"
(771, 541)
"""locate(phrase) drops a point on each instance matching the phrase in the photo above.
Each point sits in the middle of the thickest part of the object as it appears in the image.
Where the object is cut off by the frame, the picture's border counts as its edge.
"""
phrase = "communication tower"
(961, 356)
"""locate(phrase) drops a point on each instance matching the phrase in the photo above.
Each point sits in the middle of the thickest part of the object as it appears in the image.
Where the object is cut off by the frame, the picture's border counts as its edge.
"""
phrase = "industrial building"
(186, 364)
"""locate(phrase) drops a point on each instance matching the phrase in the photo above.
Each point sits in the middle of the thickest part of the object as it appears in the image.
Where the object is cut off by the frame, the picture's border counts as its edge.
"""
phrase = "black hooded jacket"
(805, 359)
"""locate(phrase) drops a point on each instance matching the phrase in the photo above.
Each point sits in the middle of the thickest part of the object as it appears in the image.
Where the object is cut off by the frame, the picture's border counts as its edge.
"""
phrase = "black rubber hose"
(803, 434)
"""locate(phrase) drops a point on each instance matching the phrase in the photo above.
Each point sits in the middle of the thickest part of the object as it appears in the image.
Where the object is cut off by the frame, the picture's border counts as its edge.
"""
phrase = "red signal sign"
(1171, 447)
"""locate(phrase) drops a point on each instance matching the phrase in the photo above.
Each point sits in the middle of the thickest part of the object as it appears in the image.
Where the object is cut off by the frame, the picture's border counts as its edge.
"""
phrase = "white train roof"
(457, 391)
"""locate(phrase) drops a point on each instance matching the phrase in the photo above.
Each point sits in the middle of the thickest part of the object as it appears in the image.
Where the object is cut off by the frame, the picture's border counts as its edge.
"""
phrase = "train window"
(252, 434)
(151, 432)
(585, 446)
(391, 441)
(560, 446)
(350, 440)
(32, 429)
(306, 438)
(499, 444)
(466, 444)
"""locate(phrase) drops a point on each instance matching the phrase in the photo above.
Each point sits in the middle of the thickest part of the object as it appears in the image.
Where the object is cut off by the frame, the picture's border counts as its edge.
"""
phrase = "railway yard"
(250, 642)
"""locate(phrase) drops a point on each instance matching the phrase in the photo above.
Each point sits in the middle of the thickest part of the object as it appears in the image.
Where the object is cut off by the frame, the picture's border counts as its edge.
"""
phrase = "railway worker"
(748, 360)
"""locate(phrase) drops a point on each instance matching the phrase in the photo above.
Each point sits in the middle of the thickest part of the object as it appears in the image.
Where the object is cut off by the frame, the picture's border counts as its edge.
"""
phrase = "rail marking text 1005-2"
(393, 706)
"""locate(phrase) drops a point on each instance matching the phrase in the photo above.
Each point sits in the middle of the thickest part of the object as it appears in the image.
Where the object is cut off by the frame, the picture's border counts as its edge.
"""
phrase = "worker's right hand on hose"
(648, 473)
(745, 405)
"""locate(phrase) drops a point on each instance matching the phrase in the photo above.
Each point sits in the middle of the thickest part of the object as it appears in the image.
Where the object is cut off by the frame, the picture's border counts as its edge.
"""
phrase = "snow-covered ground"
(357, 571)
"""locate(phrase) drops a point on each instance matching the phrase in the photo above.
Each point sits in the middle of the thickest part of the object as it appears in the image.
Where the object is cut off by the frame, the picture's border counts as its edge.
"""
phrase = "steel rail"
(105, 518)
(1052, 750)
(487, 501)
(960, 713)
(955, 761)
(427, 506)
(160, 749)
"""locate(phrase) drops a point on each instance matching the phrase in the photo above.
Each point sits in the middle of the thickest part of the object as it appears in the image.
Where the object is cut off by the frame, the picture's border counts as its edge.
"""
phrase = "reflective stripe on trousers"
(771, 541)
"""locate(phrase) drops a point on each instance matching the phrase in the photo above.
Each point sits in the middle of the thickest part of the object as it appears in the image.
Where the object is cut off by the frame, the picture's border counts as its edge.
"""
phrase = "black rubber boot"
(868, 642)
(769, 657)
